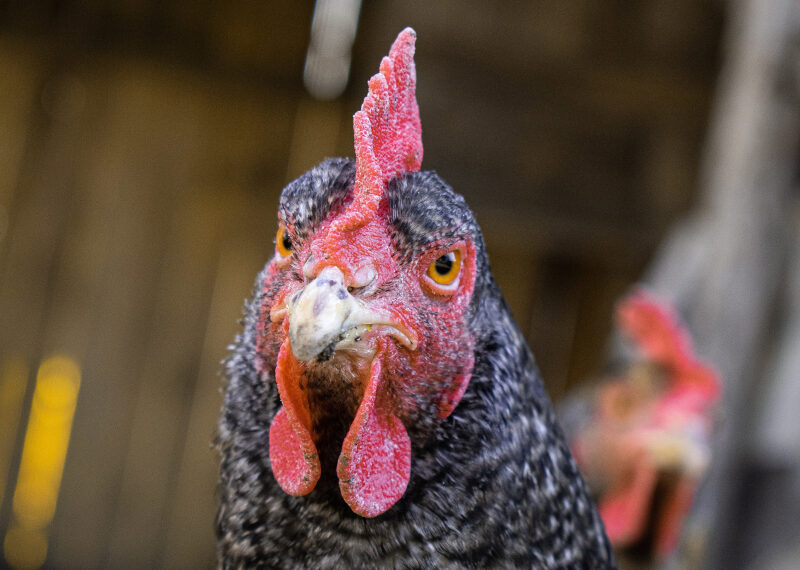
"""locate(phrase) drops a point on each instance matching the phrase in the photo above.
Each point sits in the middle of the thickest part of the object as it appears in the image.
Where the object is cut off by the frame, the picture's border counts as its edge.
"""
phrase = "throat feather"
(334, 390)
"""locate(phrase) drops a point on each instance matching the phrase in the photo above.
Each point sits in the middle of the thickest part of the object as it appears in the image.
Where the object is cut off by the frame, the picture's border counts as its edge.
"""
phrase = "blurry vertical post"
(333, 30)
(325, 75)
(43, 454)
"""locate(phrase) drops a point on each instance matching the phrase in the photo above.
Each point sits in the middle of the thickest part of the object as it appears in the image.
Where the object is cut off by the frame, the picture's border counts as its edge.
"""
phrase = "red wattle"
(292, 453)
(624, 512)
(671, 522)
(375, 464)
(456, 391)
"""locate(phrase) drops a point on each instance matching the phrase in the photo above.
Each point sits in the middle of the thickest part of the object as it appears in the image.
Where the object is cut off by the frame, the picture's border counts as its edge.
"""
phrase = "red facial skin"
(400, 385)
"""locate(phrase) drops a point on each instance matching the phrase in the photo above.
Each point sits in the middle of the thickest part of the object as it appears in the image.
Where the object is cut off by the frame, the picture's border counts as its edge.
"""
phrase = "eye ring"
(445, 269)
(283, 243)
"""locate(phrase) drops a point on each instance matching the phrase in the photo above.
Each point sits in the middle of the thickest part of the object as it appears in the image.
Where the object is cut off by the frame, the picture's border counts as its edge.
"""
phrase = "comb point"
(388, 135)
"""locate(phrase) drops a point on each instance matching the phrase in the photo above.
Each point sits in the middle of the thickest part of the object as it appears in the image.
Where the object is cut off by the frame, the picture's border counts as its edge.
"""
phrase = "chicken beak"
(321, 313)
(324, 314)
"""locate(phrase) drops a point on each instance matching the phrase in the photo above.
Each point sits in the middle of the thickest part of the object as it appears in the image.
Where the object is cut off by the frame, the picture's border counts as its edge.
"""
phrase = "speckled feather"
(493, 485)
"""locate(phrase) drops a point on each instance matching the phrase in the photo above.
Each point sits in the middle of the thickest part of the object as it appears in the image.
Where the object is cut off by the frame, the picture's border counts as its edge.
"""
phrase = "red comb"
(388, 135)
(655, 328)
(658, 332)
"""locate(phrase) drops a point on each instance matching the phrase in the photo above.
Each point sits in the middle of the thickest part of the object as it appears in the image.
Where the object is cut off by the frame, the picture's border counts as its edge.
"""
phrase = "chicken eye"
(283, 242)
(445, 269)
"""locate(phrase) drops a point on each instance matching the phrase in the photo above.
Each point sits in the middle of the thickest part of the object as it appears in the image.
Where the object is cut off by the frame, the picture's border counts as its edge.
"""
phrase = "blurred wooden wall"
(142, 150)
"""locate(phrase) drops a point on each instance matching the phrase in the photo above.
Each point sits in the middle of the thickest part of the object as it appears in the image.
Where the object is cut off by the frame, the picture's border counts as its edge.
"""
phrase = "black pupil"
(286, 241)
(443, 265)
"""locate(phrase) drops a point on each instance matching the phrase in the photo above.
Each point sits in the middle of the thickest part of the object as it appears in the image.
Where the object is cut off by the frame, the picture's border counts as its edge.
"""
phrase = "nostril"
(308, 267)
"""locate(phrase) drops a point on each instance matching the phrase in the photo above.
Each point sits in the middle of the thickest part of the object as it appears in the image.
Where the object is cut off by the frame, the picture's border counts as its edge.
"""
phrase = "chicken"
(645, 444)
(382, 408)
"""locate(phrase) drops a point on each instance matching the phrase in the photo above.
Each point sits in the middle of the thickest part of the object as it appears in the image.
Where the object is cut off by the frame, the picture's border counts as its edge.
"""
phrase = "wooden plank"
(21, 69)
(170, 366)
(105, 292)
(190, 541)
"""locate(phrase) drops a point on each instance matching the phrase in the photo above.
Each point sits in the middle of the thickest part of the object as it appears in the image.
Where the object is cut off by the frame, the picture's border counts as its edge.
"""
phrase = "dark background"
(143, 146)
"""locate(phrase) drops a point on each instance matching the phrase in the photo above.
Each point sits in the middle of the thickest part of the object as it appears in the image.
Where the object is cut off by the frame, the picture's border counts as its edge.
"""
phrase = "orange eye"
(283, 243)
(446, 268)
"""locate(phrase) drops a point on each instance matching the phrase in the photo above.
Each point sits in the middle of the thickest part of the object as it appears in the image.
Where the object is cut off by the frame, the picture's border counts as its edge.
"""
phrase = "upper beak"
(324, 315)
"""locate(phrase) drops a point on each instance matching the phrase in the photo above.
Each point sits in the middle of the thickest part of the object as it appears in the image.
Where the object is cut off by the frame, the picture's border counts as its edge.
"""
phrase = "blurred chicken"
(643, 437)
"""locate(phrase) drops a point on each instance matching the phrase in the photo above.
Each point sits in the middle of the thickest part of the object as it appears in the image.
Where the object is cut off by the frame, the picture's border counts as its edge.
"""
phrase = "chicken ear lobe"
(292, 453)
(375, 463)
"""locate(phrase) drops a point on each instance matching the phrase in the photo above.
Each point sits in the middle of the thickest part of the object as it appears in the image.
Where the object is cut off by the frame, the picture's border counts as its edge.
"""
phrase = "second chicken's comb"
(655, 328)
(388, 134)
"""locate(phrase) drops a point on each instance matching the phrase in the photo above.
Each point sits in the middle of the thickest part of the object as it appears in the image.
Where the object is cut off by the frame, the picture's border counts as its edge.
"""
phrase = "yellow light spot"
(25, 548)
(43, 454)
